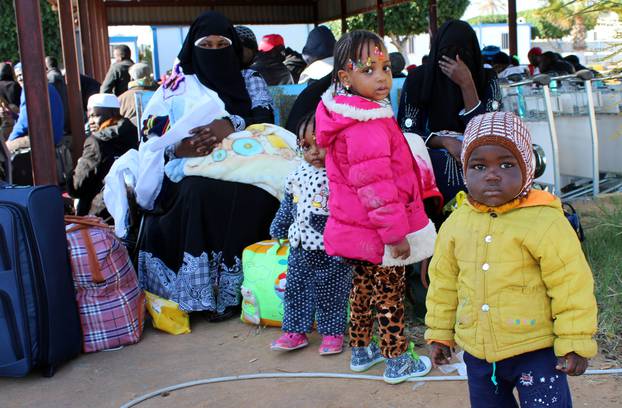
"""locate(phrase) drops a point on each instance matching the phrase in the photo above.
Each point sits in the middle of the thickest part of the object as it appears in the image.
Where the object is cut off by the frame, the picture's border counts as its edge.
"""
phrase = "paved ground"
(109, 379)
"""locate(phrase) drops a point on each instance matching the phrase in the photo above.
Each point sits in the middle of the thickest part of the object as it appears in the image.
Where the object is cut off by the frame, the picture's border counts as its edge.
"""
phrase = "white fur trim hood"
(421, 247)
(354, 112)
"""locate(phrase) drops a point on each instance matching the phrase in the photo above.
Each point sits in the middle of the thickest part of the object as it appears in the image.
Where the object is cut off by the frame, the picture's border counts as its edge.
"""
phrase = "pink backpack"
(111, 305)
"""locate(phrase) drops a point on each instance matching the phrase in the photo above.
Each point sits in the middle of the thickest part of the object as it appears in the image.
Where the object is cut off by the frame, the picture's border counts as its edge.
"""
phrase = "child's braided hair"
(350, 47)
(307, 120)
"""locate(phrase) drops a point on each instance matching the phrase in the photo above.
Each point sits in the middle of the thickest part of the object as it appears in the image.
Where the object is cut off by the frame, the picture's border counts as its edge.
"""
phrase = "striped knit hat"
(504, 129)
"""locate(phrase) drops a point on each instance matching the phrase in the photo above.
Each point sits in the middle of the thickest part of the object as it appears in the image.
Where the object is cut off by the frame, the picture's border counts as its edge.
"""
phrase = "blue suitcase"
(39, 321)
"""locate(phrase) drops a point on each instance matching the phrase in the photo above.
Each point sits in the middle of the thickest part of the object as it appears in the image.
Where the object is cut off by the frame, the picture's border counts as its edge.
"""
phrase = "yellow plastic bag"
(166, 315)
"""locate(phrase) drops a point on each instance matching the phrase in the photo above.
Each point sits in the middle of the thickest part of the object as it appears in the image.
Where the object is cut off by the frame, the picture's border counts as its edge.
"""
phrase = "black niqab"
(217, 69)
(6, 72)
(430, 89)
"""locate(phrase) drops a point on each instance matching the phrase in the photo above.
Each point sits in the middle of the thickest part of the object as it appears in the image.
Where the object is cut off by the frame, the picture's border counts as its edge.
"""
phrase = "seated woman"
(440, 97)
(193, 240)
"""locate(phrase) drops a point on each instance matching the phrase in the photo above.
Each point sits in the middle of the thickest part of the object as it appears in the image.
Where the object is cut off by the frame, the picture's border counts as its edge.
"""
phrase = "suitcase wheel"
(49, 371)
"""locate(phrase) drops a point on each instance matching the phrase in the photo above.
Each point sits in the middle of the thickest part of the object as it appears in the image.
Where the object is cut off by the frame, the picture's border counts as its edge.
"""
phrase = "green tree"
(405, 20)
(540, 27)
(575, 17)
(543, 25)
(145, 54)
(583, 8)
(491, 7)
(9, 48)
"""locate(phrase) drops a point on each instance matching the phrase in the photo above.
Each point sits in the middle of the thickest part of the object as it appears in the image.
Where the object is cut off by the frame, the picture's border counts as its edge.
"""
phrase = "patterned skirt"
(193, 242)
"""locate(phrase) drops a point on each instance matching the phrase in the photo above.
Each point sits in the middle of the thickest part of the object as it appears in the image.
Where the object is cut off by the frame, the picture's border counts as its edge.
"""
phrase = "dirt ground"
(110, 379)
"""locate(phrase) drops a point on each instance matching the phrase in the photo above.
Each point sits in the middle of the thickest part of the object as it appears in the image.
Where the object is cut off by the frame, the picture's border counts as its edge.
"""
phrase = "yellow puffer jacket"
(508, 280)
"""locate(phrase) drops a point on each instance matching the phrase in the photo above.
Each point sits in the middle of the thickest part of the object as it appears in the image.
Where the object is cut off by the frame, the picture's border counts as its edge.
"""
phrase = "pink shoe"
(331, 345)
(290, 341)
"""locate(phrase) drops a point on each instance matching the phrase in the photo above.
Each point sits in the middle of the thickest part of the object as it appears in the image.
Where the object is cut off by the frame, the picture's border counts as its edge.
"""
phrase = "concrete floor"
(110, 379)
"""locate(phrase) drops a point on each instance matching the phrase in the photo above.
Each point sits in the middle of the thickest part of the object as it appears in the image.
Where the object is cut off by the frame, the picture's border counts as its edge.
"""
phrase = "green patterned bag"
(263, 290)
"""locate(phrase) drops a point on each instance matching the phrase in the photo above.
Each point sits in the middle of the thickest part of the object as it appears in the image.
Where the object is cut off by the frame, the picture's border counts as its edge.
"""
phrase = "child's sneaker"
(331, 345)
(401, 368)
(290, 341)
(364, 358)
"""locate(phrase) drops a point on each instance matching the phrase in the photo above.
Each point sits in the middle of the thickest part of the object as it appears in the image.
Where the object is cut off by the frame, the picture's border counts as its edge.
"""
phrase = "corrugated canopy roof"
(183, 12)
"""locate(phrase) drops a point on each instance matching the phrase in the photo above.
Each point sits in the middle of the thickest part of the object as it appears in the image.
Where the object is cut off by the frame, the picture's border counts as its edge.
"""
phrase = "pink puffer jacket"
(375, 187)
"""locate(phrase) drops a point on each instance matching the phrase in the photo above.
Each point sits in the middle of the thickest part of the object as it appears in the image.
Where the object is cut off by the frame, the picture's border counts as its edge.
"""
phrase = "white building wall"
(418, 47)
(498, 34)
(487, 34)
(167, 41)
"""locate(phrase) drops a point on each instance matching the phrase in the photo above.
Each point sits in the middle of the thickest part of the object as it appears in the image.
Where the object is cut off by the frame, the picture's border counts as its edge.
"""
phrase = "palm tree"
(572, 15)
(490, 7)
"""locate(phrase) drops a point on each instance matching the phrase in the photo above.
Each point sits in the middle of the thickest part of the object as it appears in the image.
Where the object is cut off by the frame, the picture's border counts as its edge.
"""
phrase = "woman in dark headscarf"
(440, 97)
(194, 238)
(216, 64)
(318, 52)
(9, 88)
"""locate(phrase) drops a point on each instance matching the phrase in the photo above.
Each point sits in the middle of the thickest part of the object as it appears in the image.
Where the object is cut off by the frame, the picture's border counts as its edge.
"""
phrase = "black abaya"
(192, 248)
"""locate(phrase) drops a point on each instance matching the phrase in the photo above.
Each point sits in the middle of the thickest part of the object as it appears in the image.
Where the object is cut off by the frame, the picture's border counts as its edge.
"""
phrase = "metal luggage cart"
(555, 109)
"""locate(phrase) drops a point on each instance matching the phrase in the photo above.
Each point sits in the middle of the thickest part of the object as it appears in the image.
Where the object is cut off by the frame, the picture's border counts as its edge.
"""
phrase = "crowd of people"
(509, 283)
(549, 62)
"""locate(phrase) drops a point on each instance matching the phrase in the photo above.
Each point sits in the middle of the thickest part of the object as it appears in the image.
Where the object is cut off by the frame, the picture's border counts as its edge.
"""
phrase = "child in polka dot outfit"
(317, 285)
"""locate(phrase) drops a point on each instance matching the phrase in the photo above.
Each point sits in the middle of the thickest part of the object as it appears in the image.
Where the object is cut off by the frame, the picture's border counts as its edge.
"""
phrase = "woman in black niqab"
(443, 95)
(193, 241)
(218, 69)
(431, 89)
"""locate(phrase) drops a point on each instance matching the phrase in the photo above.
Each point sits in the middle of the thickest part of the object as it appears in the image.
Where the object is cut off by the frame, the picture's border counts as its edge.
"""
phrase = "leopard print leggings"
(382, 288)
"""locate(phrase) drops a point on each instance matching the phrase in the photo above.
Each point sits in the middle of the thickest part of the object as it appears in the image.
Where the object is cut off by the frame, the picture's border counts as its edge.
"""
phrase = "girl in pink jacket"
(377, 220)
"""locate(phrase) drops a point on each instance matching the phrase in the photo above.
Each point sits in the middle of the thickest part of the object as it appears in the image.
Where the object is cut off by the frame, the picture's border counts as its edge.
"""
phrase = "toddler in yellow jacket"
(509, 282)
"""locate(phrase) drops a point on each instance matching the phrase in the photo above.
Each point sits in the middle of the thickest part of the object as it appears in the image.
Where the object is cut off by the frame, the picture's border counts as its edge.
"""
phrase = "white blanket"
(142, 169)
(123, 172)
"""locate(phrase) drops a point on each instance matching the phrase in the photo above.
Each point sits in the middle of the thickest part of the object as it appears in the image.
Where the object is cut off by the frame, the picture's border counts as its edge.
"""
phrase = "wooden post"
(97, 40)
(85, 36)
(72, 76)
(380, 14)
(106, 40)
(512, 27)
(30, 37)
(344, 15)
(104, 61)
(316, 14)
(94, 42)
(433, 18)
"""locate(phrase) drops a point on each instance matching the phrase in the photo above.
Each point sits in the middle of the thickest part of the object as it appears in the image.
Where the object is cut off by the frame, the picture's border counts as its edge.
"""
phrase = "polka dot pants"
(317, 288)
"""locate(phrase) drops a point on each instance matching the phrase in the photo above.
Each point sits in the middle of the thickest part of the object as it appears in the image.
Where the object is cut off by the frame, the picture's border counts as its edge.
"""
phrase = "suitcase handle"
(7, 305)
(274, 249)
(83, 224)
